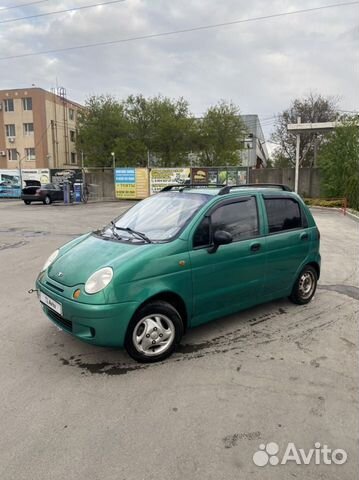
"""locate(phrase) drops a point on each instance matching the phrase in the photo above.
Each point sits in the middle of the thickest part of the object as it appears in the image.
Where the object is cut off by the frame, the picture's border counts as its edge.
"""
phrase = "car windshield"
(159, 217)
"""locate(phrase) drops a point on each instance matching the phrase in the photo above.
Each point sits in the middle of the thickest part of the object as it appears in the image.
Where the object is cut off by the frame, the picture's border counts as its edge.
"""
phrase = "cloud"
(259, 65)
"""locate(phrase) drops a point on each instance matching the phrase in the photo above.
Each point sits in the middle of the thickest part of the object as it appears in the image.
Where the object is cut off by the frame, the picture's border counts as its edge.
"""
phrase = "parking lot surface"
(275, 373)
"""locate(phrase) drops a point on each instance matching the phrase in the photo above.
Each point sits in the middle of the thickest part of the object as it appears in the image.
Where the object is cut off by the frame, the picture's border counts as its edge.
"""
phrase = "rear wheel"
(47, 200)
(27, 202)
(154, 332)
(305, 286)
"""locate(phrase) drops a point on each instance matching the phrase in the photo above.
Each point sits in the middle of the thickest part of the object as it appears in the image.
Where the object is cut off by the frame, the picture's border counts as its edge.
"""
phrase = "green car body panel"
(206, 285)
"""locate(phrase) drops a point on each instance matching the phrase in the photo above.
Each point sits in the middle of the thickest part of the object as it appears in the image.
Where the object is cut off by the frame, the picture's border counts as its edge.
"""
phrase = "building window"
(73, 157)
(9, 105)
(27, 103)
(28, 128)
(72, 135)
(71, 114)
(10, 130)
(11, 154)
(30, 154)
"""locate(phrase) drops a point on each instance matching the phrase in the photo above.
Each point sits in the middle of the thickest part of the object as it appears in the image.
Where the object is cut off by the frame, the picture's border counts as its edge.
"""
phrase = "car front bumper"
(103, 325)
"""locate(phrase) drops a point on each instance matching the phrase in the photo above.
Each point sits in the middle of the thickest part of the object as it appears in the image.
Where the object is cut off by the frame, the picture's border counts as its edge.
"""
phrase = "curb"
(351, 215)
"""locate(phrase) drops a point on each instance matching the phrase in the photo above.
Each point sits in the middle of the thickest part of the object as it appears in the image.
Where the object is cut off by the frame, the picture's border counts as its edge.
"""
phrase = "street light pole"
(113, 161)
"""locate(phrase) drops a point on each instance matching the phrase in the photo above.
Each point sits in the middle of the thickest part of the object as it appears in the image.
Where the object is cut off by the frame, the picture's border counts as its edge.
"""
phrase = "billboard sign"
(9, 183)
(161, 177)
(58, 176)
(10, 180)
(131, 183)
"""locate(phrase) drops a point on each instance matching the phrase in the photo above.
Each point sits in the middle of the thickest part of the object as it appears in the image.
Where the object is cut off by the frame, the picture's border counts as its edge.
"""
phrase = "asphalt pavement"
(274, 374)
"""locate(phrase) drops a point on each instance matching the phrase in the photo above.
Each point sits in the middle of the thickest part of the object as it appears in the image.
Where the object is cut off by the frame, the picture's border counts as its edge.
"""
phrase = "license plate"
(49, 302)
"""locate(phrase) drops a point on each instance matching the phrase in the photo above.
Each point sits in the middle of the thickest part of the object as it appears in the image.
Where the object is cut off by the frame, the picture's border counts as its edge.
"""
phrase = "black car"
(35, 192)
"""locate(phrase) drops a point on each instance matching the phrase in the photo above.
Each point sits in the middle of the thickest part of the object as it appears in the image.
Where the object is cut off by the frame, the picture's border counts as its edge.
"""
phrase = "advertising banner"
(200, 176)
(218, 175)
(9, 183)
(41, 174)
(58, 176)
(131, 183)
(10, 180)
(161, 177)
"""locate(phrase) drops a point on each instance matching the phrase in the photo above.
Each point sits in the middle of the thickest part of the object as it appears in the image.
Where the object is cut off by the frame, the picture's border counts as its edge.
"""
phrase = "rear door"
(232, 277)
(288, 243)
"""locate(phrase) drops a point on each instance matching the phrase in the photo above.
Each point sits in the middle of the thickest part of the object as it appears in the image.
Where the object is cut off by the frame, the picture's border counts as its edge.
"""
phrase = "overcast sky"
(259, 65)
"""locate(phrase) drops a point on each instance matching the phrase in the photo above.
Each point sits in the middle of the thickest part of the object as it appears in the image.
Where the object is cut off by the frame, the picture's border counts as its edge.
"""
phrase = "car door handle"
(304, 236)
(255, 247)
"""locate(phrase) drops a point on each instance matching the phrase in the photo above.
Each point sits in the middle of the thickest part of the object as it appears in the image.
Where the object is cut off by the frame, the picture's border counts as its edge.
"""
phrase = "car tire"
(47, 200)
(150, 324)
(305, 286)
(27, 202)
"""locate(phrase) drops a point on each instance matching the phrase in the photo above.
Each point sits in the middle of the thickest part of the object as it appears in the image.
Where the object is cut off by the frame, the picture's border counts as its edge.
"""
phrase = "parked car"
(35, 192)
(179, 259)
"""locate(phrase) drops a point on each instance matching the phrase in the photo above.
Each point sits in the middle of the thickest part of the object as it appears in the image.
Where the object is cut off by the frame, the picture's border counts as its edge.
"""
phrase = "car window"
(283, 214)
(240, 219)
(201, 237)
(160, 216)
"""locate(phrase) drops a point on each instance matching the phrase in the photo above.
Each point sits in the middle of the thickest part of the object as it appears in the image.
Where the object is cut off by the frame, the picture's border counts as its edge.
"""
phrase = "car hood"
(77, 263)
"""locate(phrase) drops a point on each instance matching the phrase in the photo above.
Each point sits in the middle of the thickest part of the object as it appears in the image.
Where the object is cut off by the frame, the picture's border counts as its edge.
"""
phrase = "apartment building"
(37, 129)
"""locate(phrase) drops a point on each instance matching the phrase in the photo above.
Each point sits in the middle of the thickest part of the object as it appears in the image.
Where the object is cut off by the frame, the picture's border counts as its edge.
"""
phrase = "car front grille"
(54, 287)
(61, 321)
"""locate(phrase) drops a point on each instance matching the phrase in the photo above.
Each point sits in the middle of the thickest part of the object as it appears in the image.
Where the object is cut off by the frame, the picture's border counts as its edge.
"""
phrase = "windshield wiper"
(133, 232)
(113, 230)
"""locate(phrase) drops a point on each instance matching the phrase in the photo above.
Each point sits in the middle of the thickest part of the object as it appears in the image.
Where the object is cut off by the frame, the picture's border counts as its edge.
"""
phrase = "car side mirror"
(220, 237)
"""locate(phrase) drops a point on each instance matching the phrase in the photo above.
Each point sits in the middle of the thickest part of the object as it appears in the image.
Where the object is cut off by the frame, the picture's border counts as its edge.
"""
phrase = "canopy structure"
(299, 128)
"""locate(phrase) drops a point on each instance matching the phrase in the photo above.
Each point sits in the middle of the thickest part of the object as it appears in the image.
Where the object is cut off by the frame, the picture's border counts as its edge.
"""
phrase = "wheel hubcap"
(306, 285)
(153, 335)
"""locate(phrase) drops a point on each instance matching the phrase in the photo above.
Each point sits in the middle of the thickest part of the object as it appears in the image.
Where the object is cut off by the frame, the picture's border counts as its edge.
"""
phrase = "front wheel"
(154, 332)
(47, 200)
(27, 202)
(305, 286)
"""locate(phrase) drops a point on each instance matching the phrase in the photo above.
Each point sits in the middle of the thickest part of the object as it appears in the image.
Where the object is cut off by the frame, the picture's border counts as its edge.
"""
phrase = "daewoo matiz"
(179, 259)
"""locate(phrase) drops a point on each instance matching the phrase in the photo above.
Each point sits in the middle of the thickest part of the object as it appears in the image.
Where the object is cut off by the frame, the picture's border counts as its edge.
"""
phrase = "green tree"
(164, 126)
(100, 124)
(339, 162)
(312, 108)
(221, 135)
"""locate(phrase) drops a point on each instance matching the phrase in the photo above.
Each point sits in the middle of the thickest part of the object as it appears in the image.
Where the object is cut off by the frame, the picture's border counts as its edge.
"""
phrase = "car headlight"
(50, 260)
(99, 280)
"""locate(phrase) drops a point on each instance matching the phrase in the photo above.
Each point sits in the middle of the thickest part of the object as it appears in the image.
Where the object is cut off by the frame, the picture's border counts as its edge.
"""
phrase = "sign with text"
(218, 175)
(131, 183)
(10, 180)
(161, 177)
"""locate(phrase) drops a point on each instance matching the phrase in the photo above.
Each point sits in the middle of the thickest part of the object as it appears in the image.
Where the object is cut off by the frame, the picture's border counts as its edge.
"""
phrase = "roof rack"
(280, 186)
(167, 188)
(225, 188)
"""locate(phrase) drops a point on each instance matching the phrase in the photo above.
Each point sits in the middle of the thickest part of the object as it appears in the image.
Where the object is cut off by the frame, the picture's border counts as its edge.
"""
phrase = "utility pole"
(296, 179)
(113, 161)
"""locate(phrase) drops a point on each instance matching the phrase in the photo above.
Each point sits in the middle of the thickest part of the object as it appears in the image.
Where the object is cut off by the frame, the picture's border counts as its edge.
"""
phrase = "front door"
(230, 278)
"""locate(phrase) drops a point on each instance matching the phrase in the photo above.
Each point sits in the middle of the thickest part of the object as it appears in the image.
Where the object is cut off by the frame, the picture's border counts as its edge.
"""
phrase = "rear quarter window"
(283, 214)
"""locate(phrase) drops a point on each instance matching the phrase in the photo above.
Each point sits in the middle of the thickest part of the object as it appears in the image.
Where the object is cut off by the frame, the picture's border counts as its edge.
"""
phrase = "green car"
(179, 259)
